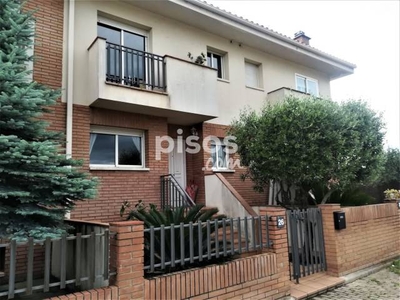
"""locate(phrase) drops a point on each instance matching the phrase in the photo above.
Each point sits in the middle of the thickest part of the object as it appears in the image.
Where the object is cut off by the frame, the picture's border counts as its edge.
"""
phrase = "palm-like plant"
(196, 227)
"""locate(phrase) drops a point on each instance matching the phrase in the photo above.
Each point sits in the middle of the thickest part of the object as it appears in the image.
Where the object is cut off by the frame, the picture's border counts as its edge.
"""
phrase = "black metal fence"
(172, 194)
(306, 242)
(176, 246)
(135, 68)
(53, 264)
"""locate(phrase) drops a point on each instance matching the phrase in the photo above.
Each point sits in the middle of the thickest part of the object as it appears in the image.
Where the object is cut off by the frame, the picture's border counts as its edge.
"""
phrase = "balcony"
(121, 78)
(280, 94)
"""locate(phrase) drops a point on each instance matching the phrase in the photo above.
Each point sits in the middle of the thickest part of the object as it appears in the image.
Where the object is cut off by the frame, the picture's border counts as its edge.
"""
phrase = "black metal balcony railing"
(135, 68)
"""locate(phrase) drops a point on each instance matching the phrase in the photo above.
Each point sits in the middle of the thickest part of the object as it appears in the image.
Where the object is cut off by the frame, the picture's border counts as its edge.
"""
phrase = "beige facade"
(168, 36)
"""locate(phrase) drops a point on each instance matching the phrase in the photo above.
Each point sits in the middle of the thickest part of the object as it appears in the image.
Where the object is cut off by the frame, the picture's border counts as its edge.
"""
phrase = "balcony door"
(125, 55)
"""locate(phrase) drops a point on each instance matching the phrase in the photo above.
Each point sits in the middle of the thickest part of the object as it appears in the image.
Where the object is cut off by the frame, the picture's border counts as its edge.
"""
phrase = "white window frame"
(224, 72)
(124, 27)
(307, 79)
(260, 85)
(218, 144)
(116, 132)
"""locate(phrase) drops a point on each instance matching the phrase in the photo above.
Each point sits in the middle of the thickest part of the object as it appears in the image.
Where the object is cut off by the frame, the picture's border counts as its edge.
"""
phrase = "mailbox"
(339, 219)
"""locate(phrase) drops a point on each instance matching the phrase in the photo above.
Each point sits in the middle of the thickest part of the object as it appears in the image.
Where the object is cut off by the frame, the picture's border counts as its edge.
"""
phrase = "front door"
(177, 166)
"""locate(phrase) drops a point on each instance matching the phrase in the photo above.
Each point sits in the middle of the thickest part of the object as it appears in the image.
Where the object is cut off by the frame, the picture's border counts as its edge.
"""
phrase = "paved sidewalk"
(383, 285)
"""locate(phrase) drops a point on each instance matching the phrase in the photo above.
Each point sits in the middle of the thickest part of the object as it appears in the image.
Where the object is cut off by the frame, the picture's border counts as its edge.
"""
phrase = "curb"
(365, 272)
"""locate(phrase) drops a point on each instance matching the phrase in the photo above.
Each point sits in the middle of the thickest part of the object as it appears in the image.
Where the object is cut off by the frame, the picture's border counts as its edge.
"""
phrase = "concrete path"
(383, 285)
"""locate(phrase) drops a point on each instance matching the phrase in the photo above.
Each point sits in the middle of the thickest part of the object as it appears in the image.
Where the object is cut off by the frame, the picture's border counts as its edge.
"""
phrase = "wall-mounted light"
(398, 204)
(194, 131)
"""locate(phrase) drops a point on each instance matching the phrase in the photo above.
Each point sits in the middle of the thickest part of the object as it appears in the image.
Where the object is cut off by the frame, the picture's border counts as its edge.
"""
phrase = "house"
(132, 96)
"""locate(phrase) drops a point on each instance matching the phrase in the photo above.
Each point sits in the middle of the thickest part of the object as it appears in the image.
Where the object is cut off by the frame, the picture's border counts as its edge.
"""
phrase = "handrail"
(161, 57)
(183, 190)
(133, 67)
(168, 192)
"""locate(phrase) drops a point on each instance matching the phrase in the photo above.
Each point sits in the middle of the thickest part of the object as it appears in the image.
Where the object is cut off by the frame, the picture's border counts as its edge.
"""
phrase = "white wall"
(167, 36)
(218, 195)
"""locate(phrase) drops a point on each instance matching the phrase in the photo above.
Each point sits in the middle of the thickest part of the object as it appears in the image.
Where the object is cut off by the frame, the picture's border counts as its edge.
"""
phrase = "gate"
(306, 242)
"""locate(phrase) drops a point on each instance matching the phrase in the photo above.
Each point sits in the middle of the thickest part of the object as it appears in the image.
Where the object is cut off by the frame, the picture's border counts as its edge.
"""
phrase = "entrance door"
(177, 166)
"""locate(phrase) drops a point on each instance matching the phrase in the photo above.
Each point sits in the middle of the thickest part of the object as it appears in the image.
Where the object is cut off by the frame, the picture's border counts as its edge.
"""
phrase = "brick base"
(254, 277)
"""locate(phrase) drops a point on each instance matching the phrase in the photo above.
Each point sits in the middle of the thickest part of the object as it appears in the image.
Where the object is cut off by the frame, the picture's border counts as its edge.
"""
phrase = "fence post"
(126, 258)
(278, 237)
(330, 238)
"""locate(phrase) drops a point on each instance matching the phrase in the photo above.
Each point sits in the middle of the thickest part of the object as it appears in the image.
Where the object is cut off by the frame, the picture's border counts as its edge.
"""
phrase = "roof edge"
(268, 32)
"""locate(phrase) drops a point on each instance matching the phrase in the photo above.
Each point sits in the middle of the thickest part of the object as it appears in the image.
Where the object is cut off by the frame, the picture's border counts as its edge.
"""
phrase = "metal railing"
(52, 264)
(306, 242)
(173, 195)
(135, 68)
(175, 246)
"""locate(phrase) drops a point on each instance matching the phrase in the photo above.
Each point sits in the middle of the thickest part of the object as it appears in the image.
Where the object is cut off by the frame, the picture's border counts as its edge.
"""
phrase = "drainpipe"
(70, 75)
(70, 80)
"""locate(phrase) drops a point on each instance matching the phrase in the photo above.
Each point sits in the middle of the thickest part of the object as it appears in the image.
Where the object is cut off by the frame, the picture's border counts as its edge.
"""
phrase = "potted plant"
(200, 59)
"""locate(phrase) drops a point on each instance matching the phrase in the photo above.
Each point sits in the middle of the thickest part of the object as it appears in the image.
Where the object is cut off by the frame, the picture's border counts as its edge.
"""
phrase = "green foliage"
(153, 217)
(390, 173)
(353, 196)
(308, 142)
(38, 185)
(395, 267)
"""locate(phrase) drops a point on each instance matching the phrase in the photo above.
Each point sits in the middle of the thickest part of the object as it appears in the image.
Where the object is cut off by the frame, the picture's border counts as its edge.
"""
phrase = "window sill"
(224, 171)
(106, 168)
(223, 80)
(255, 88)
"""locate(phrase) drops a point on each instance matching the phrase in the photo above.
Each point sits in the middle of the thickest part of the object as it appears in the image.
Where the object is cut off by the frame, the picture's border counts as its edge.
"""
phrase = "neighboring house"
(127, 83)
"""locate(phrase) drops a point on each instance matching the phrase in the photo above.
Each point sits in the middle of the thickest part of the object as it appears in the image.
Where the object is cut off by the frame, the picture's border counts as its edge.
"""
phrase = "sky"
(365, 33)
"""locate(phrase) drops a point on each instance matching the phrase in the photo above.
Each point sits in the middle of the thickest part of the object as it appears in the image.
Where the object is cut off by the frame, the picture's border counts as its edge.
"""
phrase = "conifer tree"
(38, 184)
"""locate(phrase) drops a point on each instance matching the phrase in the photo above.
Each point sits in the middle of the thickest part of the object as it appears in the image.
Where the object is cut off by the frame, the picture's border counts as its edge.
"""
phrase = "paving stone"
(383, 285)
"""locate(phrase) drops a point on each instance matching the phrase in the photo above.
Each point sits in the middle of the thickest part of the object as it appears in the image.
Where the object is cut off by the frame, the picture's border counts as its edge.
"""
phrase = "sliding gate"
(306, 242)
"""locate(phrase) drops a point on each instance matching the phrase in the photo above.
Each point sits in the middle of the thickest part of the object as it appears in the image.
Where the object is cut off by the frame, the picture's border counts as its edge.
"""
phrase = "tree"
(389, 175)
(304, 143)
(38, 184)
(391, 169)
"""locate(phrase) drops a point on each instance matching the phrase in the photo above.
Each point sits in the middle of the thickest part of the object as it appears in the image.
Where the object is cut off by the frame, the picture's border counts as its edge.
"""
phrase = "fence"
(134, 67)
(176, 246)
(84, 248)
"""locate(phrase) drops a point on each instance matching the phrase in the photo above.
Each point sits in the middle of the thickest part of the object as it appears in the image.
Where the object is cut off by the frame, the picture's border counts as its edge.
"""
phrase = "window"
(253, 74)
(116, 149)
(219, 155)
(307, 85)
(216, 61)
(125, 53)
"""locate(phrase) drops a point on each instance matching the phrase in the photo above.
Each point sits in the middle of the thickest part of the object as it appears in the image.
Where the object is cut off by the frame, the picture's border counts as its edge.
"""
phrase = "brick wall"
(107, 293)
(48, 52)
(371, 236)
(253, 277)
(118, 186)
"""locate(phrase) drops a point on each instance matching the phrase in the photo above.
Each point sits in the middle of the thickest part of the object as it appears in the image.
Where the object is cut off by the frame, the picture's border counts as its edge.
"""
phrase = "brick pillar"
(126, 251)
(330, 237)
(278, 236)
